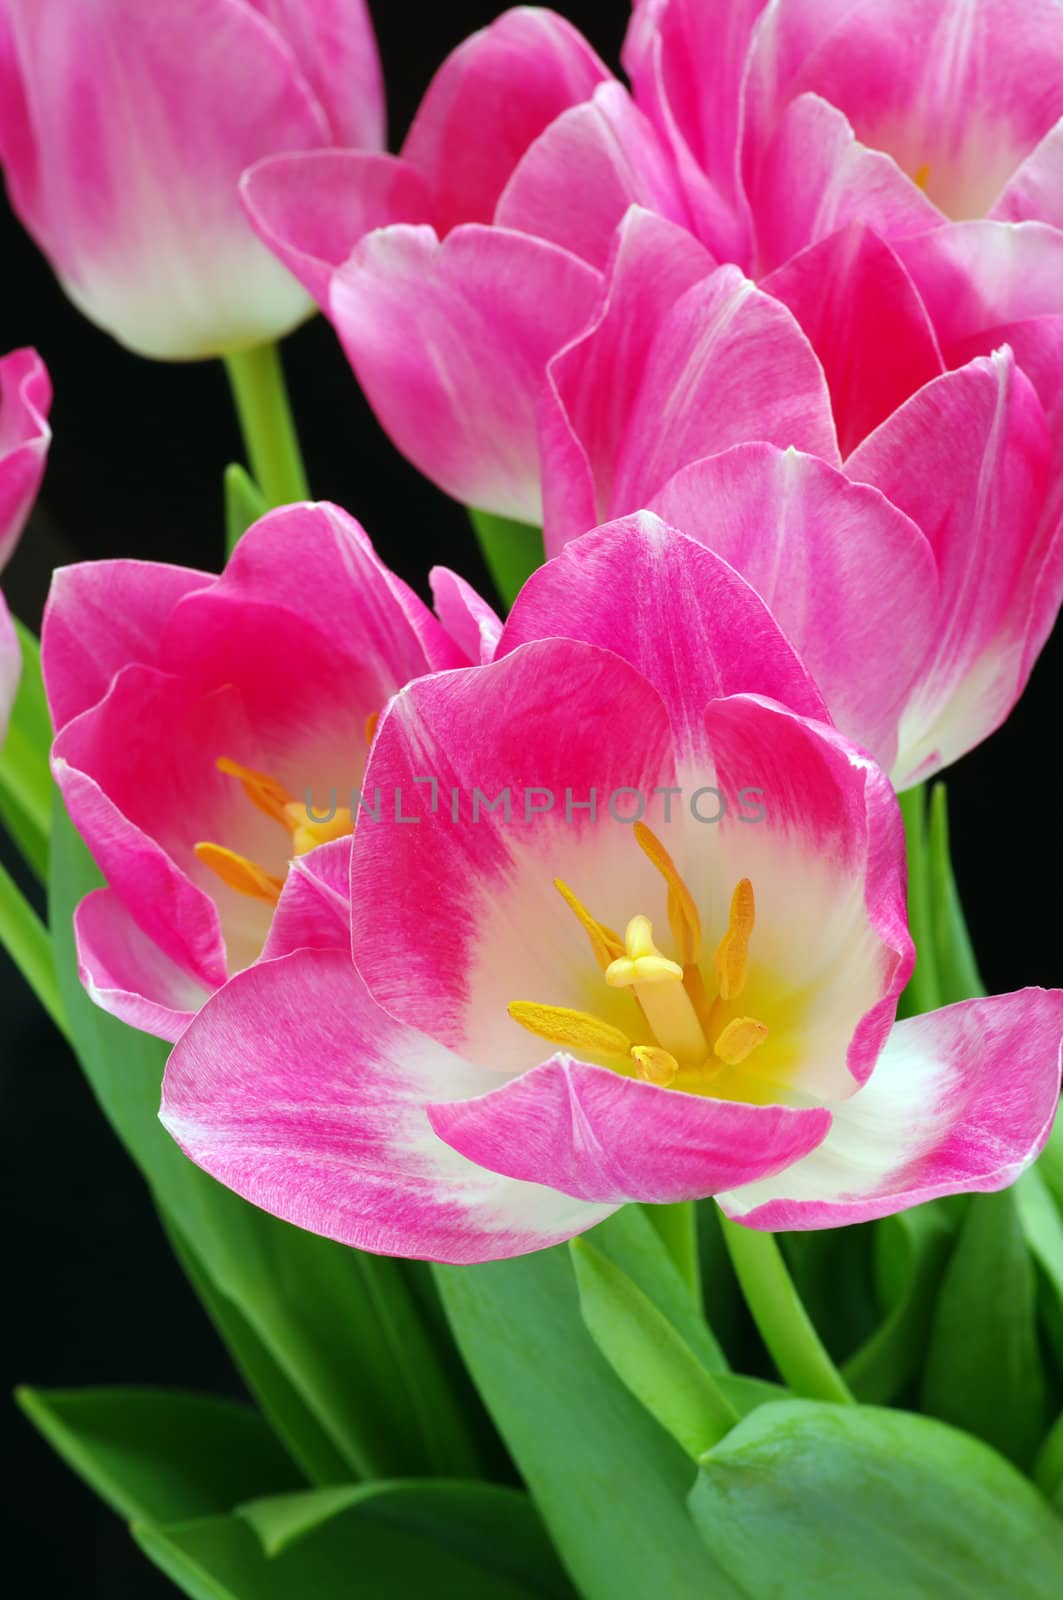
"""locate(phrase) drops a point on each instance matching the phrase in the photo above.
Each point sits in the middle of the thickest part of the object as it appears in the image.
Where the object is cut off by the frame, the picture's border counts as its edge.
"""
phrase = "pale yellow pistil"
(658, 986)
(306, 831)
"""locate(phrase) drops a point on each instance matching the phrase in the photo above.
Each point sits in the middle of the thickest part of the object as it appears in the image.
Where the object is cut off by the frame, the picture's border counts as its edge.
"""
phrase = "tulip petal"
(314, 910)
(680, 615)
(312, 207)
(102, 616)
(138, 212)
(510, 80)
(292, 1088)
(25, 399)
(851, 580)
(334, 44)
(961, 1100)
(577, 180)
(10, 667)
(967, 459)
(1035, 192)
(450, 342)
(865, 321)
(466, 616)
(127, 974)
(608, 1139)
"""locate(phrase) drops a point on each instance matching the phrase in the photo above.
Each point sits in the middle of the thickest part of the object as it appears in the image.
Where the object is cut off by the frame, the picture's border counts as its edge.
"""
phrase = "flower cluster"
(770, 345)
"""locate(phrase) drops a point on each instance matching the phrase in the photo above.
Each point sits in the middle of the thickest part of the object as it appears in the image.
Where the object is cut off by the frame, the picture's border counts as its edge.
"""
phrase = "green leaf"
(25, 778)
(984, 1370)
(957, 968)
(911, 1249)
(161, 1455)
(1042, 1228)
(244, 503)
(804, 1501)
(28, 943)
(341, 1326)
(610, 1484)
(630, 1239)
(647, 1354)
(497, 1528)
(831, 1269)
(363, 1551)
(1048, 1469)
(924, 987)
(512, 551)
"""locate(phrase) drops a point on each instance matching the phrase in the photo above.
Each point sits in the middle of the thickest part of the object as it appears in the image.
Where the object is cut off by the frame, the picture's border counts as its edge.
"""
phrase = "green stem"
(26, 940)
(779, 1314)
(924, 990)
(257, 379)
(512, 551)
(677, 1226)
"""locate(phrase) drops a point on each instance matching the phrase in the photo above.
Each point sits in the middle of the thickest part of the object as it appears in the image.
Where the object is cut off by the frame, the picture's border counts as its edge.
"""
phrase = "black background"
(92, 1293)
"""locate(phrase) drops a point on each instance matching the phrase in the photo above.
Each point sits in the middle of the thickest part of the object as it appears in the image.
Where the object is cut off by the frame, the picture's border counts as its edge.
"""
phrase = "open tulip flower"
(25, 397)
(202, 722)
(642, 938)
(125, 126)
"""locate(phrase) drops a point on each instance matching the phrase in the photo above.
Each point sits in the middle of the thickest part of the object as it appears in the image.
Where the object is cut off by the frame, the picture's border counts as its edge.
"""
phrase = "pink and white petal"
(293, 1089)
(312, 207)
(450, 343)
(314, 910)
(575, 183)
(728, 365)
(962, 1100)
(967, 459)
(1035, 192)
(142, 222)
(830, 952)
(102, 616)
(25, 400)
(850, 580)
(479, 922)
(10, 667)
(678, 613)
(816, 177)
(334, 44)
(956, 93)
(865, 321)
(974, 277)
(127, 974)
(511, 79)
(466, 617)
(590, 384)
(608, 1139)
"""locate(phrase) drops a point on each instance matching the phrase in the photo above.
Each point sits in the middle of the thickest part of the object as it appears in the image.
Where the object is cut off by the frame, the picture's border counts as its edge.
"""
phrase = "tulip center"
(685, 1038)
(305, 830)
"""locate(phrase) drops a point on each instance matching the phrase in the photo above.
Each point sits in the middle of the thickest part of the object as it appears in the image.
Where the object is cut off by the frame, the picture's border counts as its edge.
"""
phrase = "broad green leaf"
(806, 1501)
(984, 1370)
(726, 1308)
(160, 1455)
(629, 1238)
(1050, 1162)
(341, 1326)
(25, 779)
(1048, 1469)
(244, 503)
(746, 1394)
(28, 943)
(957, 968)
(911, 1249)
(1042, 1227)
(610, 1484)
(356, 1553)
(647, 1354)
(512, 551)
(498, 1529)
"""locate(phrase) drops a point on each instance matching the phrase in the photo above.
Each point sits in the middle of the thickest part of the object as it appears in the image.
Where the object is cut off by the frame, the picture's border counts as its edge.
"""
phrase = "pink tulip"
(25, 398)
(555, 1010)
(125, 126)
(196, 720)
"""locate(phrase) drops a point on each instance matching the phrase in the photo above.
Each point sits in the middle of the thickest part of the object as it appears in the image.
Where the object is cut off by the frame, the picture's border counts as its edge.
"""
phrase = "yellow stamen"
(732, 953)
(370, 725)
(576, 1030)
(683, 918)
(658, 986)
(606, 944)
(655, 1065)
(739, 1039)
(262, 790)
(307, 832)
(922, 177)
(239, 873)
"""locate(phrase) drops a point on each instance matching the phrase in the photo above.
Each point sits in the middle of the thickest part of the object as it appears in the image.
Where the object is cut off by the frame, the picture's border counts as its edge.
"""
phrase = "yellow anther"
(683, 918)
(732, 953)
(239, 873)
(262, 790)
(922, 177)
(307, 832)
(642, 961)
(576, 1030)
(606, 944)
(370, 725)
(655, 1065)
(739, 1039)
